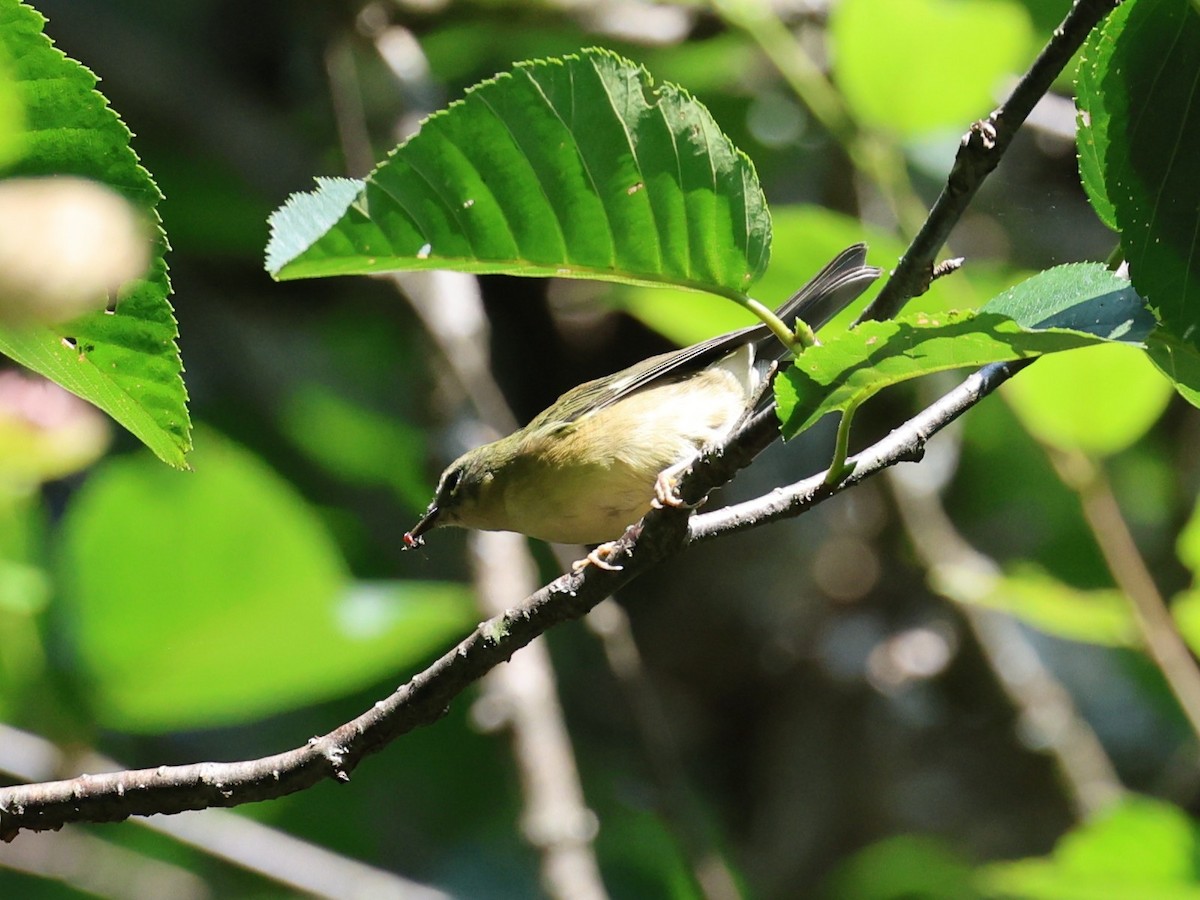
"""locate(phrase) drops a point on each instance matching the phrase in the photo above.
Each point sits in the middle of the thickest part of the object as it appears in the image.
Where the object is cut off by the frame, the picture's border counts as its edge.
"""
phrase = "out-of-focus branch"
(451, 309)
(523, 697)
(712, 877)
(1132, 576)
(960, 572)
(99, 868)
(556, 820)
(981, 150)
(675, 802)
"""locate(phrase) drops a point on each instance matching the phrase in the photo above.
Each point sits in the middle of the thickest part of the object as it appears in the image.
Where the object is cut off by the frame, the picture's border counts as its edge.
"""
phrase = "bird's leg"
(665, 492)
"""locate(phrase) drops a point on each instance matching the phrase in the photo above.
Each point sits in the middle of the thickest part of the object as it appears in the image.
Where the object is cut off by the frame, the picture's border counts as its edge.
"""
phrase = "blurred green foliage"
(934, 78)
(839, 727)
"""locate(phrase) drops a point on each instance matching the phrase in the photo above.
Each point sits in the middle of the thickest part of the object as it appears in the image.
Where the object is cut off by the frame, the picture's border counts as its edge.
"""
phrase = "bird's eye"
(450, 485)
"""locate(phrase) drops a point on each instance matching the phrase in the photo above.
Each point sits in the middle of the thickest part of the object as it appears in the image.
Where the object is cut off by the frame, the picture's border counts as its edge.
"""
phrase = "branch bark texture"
(982, 148)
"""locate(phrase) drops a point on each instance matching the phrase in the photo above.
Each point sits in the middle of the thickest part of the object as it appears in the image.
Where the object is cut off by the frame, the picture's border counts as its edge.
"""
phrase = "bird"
(597, 459)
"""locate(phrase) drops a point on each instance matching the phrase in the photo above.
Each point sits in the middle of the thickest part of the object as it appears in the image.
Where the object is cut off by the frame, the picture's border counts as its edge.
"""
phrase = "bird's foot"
(598, 557)
(666, 494)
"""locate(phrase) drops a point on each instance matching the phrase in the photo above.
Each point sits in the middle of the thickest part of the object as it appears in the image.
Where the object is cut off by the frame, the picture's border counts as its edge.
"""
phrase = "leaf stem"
(796, 341)
(1116, 257)
(839, 469)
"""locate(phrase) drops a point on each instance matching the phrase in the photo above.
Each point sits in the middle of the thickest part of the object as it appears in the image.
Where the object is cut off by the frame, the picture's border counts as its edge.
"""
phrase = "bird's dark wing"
(825, 295)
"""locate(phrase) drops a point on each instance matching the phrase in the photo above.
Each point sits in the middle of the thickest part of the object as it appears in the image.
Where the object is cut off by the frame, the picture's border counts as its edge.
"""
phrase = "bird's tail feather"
(831, 290)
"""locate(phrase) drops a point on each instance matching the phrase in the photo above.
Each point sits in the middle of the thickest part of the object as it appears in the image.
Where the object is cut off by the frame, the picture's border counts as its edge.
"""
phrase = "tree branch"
(115, 796)
(981, 150)
(904, 444)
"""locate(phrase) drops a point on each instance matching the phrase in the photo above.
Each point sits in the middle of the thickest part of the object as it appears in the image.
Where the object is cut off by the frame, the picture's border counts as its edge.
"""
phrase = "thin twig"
(904, 444)
(981, 150)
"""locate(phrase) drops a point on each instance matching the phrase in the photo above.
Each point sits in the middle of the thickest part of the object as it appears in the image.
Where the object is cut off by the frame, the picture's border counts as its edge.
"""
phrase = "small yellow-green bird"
(592, 463)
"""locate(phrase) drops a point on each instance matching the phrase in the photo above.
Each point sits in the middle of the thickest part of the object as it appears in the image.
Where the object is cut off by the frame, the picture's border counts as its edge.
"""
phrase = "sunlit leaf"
(1099, 400)
(575, 167)
(1186, 611)
(902, 866)
(1188, 543)
(1141, 848)
(1179, 361)
(1061, 309)
(1092, 120)
(1050, 605)
(217, 596)
(12, 112)
(1142, 128)
(125, 362)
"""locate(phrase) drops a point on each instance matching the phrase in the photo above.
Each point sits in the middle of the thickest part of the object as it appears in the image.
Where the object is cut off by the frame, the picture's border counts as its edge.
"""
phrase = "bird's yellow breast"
(587, 481)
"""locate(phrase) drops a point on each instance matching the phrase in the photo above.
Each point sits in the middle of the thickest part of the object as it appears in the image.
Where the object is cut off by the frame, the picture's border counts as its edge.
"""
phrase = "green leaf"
(357, 444)
(1099, 400)
(914, 66)
(217, 596)
(125, 362)
(1188, 544)
(905, 866)
(1085, 297)
(1092, 119)
(1179, 361)
(1061, 309)
(1141, 848)
(304, 218)
(1185, 609)
(1146, 124)
(12, 112)
(1038, 598)
(574, 167)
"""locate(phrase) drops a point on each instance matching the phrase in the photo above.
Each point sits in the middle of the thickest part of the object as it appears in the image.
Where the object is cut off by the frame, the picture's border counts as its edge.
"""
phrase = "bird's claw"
(597, 557)
(666, 494)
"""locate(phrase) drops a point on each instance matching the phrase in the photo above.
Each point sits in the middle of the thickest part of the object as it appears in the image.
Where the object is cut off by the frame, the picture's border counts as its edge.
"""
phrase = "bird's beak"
(412, 538)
